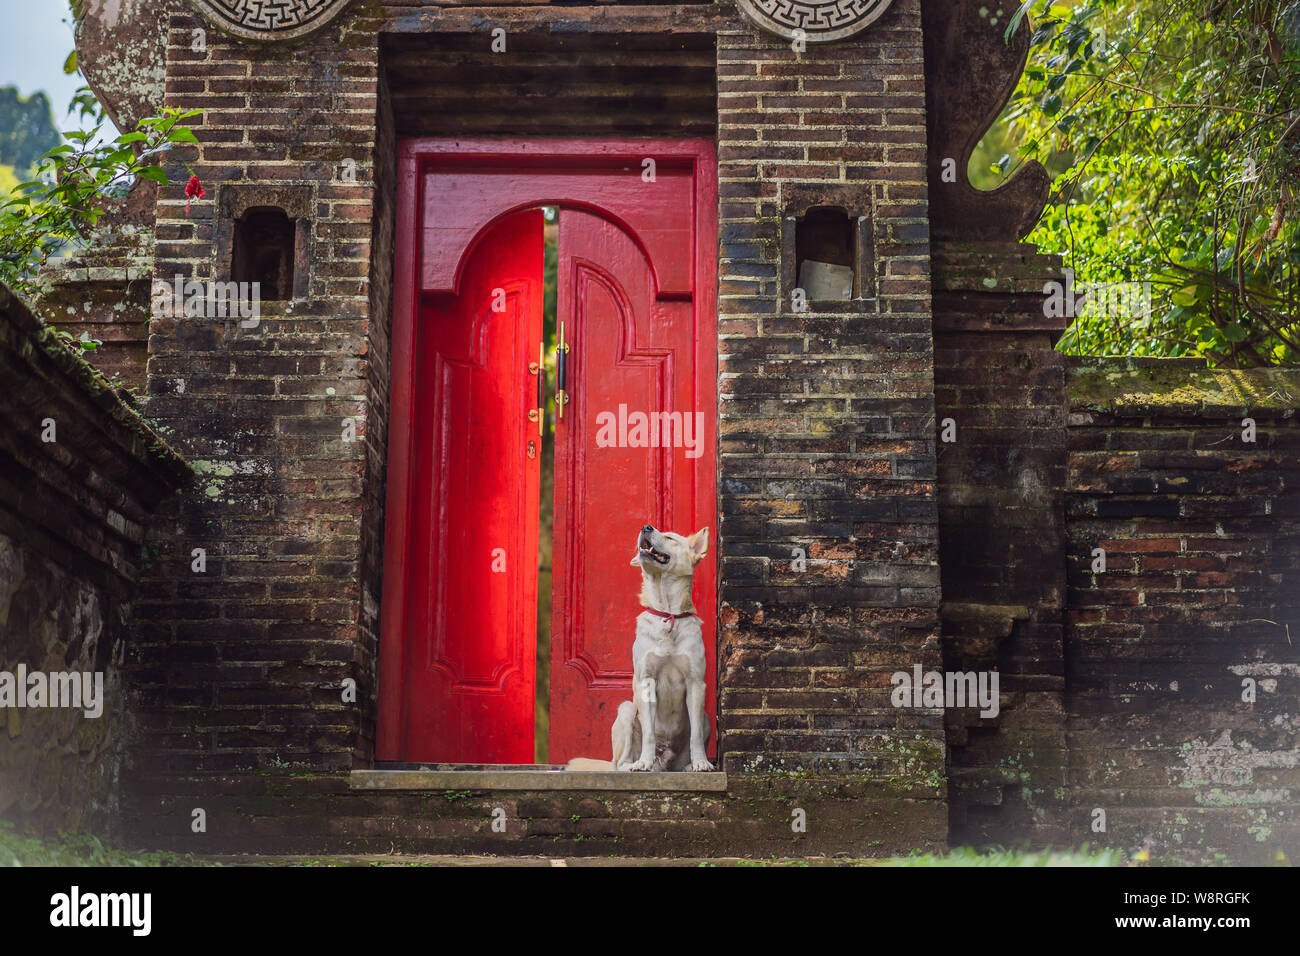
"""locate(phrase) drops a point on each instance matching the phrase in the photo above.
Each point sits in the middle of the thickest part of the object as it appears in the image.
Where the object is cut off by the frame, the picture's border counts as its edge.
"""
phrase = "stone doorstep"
(540, 778)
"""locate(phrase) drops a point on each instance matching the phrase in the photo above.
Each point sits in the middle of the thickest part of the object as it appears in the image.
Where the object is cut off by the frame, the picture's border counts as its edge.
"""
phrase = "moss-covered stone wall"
(80, 472)
(1183, 654)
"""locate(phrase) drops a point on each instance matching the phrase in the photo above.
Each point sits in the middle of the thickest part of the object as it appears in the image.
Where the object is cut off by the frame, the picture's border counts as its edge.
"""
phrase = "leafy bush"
(1173, 127)
(78, 180)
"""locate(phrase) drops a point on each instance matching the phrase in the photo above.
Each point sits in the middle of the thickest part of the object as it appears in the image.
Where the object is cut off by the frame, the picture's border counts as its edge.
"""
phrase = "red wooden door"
(471, 649)
(635, 447)
(636, 294)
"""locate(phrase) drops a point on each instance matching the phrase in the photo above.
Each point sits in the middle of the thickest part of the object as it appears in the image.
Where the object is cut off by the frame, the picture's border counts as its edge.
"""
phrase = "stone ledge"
(54, 370)
(1133, 387)
(548, 779)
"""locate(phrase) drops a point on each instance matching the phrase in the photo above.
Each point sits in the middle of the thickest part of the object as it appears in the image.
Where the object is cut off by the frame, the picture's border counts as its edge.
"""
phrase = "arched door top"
(465, 187)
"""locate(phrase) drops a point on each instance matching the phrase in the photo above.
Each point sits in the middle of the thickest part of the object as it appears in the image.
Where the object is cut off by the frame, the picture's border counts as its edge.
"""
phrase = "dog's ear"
(699, 543)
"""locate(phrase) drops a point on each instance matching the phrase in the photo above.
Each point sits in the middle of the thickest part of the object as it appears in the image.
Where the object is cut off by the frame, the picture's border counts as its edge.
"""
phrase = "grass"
(966, 856)
(78, 849)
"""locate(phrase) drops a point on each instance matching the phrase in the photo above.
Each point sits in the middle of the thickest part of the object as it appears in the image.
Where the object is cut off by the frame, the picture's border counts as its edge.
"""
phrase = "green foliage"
(77, 849)
(1173, 129)
(77, 181)
(85, 343)
(27, 129)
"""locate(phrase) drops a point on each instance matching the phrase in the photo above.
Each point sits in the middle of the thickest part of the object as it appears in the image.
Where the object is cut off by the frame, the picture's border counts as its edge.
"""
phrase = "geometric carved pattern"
(270, 19)
(817, 21)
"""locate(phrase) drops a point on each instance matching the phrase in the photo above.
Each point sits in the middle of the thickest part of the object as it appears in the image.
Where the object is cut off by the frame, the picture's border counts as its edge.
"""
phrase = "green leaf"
(154, 173)
(1016, 17)
(70, 64)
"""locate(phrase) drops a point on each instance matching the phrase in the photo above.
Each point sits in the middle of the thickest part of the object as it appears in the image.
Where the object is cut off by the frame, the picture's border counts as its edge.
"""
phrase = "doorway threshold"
(530, 777)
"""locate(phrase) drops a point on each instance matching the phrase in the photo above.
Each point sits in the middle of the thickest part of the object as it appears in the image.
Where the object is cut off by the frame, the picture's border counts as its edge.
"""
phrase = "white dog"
(665, 726)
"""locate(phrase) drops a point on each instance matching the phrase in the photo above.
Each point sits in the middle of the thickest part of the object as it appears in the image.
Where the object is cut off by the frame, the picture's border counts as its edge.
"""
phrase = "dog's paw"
(701, 765)
(639, 765)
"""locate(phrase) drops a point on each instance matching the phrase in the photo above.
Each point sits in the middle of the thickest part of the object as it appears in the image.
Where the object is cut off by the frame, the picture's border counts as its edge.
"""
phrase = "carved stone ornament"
(270, 19)
(816, 21)
(970, 73)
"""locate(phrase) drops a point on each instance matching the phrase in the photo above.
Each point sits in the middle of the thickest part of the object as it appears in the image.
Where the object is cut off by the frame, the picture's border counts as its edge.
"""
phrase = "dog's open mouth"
(657, 556)
(646, 550)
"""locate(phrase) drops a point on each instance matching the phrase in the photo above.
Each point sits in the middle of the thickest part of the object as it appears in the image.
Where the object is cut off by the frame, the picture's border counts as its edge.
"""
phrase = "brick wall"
(1000, 384)
(564, 82)
(241, 666)
(378, 352)
(827, 415)
(1201, 590)
(101, 291)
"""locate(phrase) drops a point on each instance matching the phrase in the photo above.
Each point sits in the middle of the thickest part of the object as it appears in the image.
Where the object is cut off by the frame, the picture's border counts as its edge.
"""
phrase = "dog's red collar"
(670, 618)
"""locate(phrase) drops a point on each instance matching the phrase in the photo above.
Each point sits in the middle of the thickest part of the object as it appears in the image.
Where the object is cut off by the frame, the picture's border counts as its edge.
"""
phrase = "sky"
(36, 39)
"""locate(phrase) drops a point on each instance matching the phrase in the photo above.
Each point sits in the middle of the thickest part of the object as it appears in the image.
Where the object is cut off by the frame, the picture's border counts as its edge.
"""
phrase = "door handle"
(561, 379)
(538, 368)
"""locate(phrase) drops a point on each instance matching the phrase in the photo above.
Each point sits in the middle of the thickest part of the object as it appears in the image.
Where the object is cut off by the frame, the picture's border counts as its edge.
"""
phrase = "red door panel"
(470, 645)
(632, 353)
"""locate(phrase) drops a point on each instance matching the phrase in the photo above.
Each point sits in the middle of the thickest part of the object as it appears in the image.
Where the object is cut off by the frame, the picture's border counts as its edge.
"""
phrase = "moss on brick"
(1127, 386)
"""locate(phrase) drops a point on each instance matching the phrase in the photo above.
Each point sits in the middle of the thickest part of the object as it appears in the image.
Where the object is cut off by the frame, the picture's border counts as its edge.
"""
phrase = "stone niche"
(263, 235)
(827, 246)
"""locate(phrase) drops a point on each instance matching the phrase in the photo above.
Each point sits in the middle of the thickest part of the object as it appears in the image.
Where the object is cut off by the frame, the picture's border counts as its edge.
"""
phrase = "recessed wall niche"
(264, 236)
(827, 246)
(824, 259)
(262, 251)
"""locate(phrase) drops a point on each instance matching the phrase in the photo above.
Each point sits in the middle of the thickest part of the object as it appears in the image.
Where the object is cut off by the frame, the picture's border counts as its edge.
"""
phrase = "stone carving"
(270, 19)
(817, 21)
(970, 73)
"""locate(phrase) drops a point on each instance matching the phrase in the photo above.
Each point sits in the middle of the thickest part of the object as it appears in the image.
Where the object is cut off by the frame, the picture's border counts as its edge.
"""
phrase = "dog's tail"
(586, 763)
